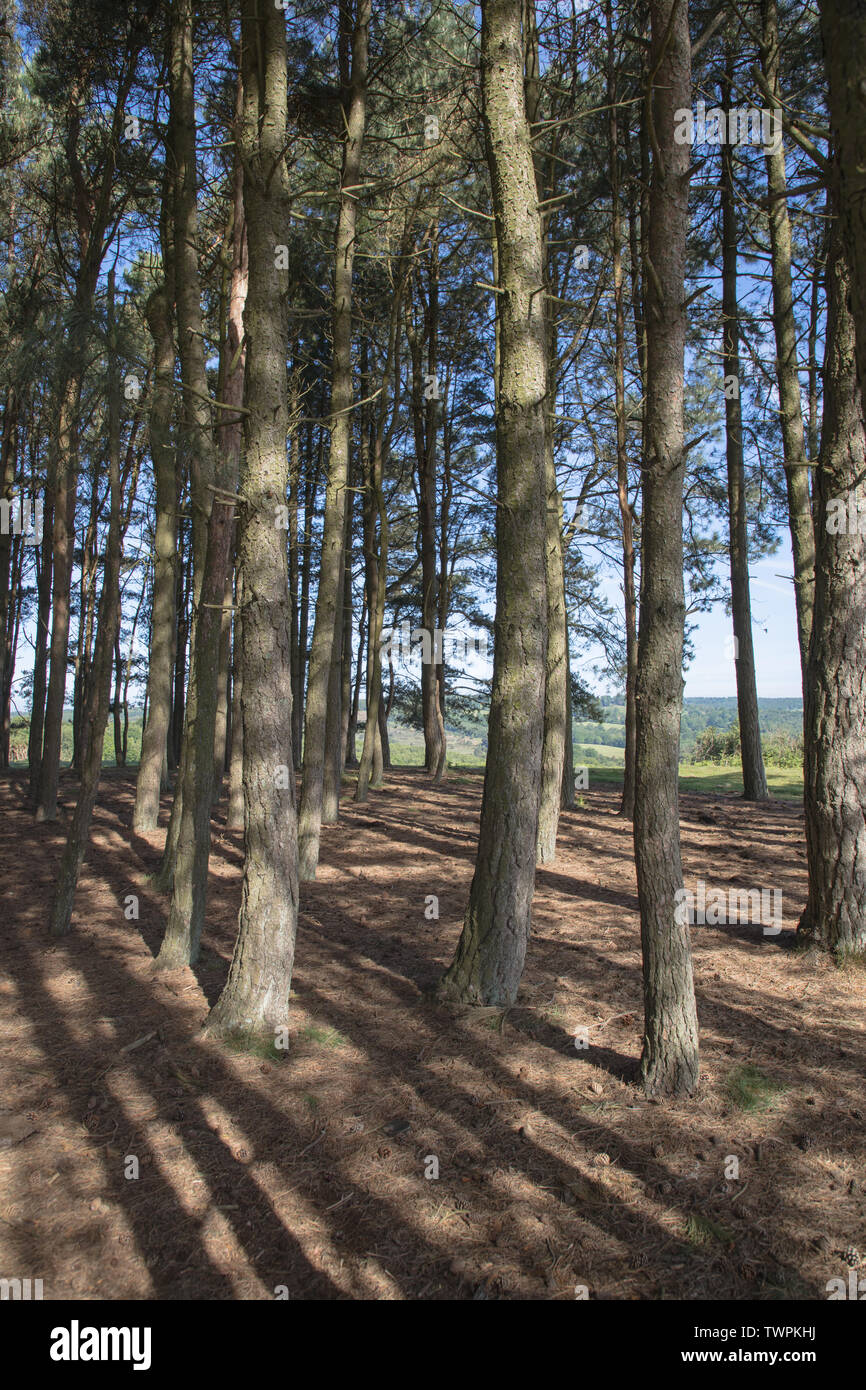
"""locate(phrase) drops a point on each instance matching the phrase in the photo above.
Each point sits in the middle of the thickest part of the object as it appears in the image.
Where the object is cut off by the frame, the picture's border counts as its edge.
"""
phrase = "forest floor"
(307, 1175)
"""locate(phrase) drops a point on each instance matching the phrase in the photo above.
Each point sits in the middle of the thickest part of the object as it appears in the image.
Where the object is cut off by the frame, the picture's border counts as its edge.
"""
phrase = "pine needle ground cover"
(315, 1170)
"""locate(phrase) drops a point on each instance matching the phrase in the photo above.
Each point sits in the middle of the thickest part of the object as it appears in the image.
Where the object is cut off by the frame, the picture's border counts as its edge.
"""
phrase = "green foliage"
(748, 1088)
(709, 730)
(326, 1037)
(781, 749)
(700, 1230)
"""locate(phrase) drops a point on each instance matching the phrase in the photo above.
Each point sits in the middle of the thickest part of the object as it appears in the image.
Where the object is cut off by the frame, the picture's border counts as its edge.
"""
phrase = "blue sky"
(774, 632)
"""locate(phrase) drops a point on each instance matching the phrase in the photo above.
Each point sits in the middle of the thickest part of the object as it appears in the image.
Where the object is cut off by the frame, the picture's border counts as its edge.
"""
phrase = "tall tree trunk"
(255, 1000)
(332, 771)
(10, 648)
(787, 367)
(116, 703)
(384, 750)
(843, 26)
(187, 830)
(163, 618)
(330, 572)
(346, 653)
(86, 616)
(352, 731)
(63, 486)
(425, 408)
(230, 438)
(235, 813)
(490, 954)
(40, 657)
(181, 643)
(96, 717)
(221, 723)
(93, 211)
(295, 475)
(189, 885)
(8, 459)
(311, 487)
(628, 557)
(567, 798)
(556, 660)
(556, 694)
(835, 714)
(754, 777)
(372, 761)
(669, 1064)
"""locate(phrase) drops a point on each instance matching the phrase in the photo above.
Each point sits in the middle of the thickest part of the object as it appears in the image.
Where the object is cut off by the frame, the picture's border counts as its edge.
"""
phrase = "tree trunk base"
(239, 1036)
(673, 1075)
(175, 954)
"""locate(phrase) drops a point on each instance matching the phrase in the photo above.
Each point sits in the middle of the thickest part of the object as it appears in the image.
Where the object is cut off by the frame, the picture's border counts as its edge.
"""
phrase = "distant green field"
(784, 782)
(468, 752)
(21, 728)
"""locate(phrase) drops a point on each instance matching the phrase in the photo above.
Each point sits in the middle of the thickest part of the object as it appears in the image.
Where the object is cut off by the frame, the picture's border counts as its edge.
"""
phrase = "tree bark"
(181, 643)
(371, 765)
(843, 26)
(556, 702)
(93, 210)
(63, 487)
(835, 714)
(489, 960)
(235, 813)
(163, 621)
(330, 573)
(425, 408)
(754, 776)
(189, 885)
(96, 717)
(669, 1064)
(8, 461)
(255, 1000)
(626, 521)
(556, 660)
(40, 657)
(787, 367)
(332, 772)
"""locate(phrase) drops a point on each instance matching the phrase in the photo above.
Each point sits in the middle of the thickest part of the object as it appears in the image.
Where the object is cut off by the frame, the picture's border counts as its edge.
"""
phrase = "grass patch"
(326, 1037)
(254, 1045)
(554, 1013)
(700, 1230)
(748, 1088)
(495, 1022)
(709, 778)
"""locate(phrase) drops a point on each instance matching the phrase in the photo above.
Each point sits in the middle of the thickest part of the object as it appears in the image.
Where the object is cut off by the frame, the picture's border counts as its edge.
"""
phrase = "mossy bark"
(489, 960)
